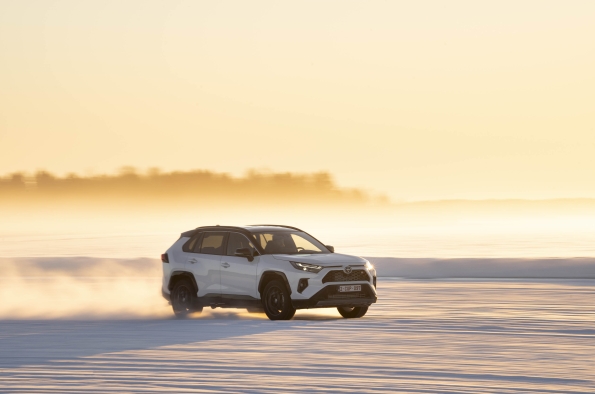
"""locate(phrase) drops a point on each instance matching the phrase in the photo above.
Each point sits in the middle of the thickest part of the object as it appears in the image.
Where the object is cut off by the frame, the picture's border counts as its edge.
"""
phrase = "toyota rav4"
(273, 268)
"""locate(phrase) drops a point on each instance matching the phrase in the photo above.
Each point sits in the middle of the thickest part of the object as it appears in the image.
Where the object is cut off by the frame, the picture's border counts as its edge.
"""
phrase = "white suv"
(275, 268)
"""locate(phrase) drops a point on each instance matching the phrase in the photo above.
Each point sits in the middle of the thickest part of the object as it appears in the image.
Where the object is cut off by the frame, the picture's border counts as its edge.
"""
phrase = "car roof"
(250, 228)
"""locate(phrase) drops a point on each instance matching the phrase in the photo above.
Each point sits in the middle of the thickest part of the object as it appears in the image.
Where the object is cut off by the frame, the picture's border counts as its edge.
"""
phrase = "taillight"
(165, 258)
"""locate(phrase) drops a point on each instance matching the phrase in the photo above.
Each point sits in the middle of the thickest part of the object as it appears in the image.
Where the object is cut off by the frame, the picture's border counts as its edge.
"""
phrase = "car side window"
(237, 241)
(192, 245)
(212, 243)
(196, 245)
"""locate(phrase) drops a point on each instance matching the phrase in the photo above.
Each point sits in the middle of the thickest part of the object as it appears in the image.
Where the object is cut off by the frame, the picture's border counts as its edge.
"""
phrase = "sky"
(420, 100)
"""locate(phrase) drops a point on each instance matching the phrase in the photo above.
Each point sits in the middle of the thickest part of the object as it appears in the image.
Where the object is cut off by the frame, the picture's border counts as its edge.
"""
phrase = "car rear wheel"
(183, 298)
(351, 312)
(276, 302)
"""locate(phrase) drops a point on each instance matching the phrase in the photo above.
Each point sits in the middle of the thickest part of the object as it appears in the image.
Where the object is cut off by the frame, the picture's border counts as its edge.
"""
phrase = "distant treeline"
(198, 184)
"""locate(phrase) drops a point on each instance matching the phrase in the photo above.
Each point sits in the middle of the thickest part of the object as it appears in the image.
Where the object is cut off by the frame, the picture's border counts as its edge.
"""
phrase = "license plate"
(345, 289)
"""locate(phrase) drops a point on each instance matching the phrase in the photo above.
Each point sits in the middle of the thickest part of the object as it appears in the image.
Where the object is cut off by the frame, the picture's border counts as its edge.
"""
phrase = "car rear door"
(205, 262)
(238, 274)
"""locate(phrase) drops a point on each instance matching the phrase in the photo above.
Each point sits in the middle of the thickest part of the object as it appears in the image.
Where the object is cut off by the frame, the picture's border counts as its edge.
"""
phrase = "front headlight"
(371, 268)
(306, 267)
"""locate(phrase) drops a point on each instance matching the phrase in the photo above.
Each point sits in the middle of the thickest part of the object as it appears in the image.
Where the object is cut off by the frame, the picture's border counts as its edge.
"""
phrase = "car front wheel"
(276, 302)
(353, 311)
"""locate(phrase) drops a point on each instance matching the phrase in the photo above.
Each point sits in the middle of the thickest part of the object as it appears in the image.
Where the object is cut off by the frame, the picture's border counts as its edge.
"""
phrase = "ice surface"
(414, 237)
(424, 336)
(427, 268)
(578, 267)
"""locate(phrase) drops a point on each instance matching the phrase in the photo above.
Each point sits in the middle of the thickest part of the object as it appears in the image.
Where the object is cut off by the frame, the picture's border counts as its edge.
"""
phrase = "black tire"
(183, 298)
(276, 301)
(352, 312)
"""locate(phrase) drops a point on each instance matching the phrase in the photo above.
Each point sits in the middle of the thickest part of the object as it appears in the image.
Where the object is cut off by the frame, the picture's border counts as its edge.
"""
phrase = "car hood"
(324, 260)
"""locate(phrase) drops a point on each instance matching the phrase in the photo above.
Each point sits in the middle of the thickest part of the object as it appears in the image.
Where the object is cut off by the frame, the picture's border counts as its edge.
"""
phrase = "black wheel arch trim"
(174, 277)
(268, 273)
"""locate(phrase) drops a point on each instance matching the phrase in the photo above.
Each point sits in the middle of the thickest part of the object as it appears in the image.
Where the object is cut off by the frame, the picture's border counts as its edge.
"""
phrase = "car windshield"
(286, 242)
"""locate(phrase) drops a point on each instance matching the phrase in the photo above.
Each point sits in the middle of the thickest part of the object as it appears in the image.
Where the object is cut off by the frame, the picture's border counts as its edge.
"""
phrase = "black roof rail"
(278, 225)
(221, 227)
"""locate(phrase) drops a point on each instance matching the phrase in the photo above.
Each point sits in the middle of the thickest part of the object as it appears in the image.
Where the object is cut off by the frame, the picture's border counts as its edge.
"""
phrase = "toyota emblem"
(347, 269)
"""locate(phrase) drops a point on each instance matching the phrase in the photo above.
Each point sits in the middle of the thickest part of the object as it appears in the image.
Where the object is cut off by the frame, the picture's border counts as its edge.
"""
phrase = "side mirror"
(330, 248)
(244, 252)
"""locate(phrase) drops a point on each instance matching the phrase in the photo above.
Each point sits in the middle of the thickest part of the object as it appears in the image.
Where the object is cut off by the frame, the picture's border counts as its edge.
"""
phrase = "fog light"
(302, 284)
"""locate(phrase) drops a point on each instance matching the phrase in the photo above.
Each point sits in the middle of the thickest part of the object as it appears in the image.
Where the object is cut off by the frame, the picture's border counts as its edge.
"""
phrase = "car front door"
(205, 263)
(238, 274)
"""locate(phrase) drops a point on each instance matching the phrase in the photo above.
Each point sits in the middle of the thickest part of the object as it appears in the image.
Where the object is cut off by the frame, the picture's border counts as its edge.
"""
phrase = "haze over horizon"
(315, 189)
(161, 159)
(421, 101)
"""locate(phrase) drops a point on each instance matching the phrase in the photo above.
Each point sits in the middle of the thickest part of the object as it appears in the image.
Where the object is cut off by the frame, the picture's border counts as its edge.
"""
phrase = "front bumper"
(329, 296)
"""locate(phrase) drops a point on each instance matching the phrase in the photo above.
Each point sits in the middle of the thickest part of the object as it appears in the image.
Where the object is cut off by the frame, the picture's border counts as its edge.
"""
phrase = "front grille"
(340, 276)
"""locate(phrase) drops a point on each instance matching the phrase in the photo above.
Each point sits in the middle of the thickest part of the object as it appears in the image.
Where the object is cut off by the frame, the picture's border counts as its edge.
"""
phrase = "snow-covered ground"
(411, 268)
(423, 336)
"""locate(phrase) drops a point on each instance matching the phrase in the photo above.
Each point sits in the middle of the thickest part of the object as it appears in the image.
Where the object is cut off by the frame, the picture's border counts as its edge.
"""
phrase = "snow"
(428, 268)
(413, 268)
(423, 336)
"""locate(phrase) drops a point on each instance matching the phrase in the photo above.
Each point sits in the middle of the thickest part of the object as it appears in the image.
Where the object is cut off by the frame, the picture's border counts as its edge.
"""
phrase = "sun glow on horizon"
(424, 100)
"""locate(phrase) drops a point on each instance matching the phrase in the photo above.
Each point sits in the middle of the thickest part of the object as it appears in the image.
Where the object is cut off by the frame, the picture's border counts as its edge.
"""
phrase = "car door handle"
(192, 261)
(225, 265)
